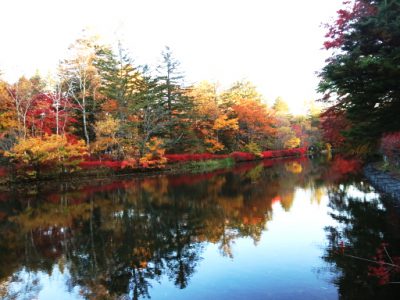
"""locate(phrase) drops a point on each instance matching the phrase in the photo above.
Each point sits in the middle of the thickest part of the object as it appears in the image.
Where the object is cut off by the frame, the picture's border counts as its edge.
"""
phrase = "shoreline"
(383, 181)
(101, 173)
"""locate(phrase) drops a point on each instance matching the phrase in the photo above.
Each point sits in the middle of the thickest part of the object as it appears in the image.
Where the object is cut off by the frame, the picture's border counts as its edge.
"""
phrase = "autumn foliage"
(255, 120)
(157, 160)
(155, 155)
(54, 151)
(136, 118)
(359, 81)
(333, 124)
(348, 15)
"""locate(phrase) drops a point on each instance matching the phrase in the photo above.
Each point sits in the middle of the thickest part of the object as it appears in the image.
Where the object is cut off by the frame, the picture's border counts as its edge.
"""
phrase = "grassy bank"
(207, 165)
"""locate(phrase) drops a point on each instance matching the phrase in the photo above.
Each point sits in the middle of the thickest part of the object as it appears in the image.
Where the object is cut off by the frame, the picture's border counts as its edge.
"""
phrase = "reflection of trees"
(116, 237)
(363, 226)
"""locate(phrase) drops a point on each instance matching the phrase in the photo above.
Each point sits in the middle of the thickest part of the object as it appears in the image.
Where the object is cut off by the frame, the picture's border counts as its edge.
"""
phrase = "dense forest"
(100, 105)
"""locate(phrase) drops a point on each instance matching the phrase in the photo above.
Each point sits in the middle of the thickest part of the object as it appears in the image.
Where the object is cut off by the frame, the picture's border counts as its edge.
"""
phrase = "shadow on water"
(116, 238)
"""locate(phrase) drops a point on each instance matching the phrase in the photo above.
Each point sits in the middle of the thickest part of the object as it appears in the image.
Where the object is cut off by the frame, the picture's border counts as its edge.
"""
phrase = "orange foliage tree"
(206, 112)
(225, 128)
(256, 121)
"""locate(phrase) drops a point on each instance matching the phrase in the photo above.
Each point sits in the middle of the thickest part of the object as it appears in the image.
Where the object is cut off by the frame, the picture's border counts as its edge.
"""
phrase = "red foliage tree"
(333, 124)
(46, 114)
(350, 14)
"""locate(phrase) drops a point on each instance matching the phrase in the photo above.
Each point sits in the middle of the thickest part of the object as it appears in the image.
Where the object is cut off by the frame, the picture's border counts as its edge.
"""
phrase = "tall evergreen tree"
(151, 118)
(175, 101)
(119, 78)
(119, 82)
(362, 77)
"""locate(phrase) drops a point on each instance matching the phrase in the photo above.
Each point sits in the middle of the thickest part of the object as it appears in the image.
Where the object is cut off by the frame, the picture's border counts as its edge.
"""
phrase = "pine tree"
(175, 101)
(149, 116)
(119, 77)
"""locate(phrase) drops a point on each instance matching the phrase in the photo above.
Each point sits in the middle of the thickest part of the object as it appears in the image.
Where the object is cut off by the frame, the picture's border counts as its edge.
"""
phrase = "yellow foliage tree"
(214, 145)
(292, 142)
(155, 156)
(205, 100)
(253, 148)
(205, 112)
(8, 118)
(223, 123)
(238, 91)
(106, 135)
(50, 150)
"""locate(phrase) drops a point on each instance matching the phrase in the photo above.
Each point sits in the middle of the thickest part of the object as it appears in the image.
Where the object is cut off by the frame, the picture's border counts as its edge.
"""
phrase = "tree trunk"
(85, 131)
(57, 121)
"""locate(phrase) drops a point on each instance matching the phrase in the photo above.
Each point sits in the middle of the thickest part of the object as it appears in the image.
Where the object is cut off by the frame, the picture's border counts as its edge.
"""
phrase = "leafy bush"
(214, 145)
(50, 151)
(155, 156)
(253, 148)
(291, 143)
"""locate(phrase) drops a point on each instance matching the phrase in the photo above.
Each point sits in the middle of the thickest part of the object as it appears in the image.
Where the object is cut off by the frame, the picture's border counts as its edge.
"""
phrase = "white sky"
(275, 44)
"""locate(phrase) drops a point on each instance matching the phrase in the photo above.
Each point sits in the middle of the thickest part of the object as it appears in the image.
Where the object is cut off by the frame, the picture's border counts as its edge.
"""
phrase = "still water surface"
(288, 229)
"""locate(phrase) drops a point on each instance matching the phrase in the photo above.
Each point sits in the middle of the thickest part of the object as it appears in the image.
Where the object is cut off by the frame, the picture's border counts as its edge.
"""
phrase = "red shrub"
(284, 153)
(242, 156)
(267, 154)
(237, 156)
(174, 158)
(178, 158)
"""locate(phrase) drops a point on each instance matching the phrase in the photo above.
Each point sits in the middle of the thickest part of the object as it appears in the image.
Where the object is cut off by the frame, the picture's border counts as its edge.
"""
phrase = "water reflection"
(118, 238)
(366, 230)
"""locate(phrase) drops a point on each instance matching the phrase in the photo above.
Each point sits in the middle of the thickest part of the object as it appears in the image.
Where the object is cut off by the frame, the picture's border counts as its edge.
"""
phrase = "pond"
(276, 229)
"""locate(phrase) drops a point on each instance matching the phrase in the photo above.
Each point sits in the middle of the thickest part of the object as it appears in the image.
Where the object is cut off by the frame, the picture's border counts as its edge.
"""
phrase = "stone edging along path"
(383, 181)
